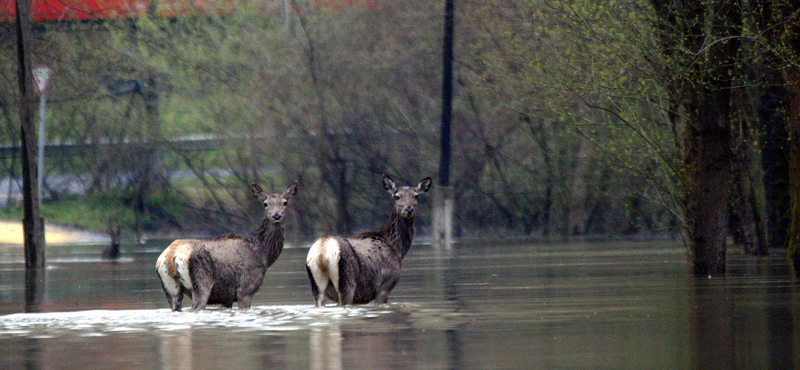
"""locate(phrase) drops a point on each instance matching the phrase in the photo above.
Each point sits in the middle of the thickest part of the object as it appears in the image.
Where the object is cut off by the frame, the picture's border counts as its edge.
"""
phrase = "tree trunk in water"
(708, 170)
(743, 210)
(744, 204)
(549, 175)
(791, 77)
(793, 100)
(699, 39)
(780, 116)
(577, 208)
(775, 158)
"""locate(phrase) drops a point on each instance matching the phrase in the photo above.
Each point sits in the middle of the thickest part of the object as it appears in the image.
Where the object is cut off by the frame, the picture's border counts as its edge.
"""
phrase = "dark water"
(621, 305)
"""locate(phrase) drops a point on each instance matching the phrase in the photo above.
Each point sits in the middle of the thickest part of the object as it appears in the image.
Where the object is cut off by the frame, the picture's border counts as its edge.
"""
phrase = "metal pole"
(447, 94)
(33, 225)
(40, 168)
(443, 202)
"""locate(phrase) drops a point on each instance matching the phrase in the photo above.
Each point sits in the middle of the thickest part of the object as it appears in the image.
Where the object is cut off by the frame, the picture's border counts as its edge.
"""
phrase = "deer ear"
(388, 184)
(257, 191)
(424, 185)
(291, 190)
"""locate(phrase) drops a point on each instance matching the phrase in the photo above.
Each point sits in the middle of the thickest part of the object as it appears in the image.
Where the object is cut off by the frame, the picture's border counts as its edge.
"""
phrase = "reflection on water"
(175, 351)
(589, 306)
(34, 289)
(712, 332)
(325, 344)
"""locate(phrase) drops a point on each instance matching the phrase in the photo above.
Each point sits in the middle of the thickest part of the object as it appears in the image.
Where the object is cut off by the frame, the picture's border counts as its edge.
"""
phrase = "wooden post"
(32, 223)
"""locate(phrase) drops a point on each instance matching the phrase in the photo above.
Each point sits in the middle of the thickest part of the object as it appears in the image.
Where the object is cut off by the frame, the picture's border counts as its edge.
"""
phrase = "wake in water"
(103, 322)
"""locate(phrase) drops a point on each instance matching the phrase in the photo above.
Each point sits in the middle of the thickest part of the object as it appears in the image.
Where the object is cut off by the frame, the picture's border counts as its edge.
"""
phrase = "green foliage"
(559, 116)
(100, 210)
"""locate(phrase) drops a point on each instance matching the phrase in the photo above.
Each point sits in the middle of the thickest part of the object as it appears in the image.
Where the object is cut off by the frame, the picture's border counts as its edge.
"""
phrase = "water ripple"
(102, 322)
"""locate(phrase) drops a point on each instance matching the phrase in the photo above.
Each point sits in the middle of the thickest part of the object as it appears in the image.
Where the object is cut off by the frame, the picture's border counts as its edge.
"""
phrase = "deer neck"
(399, 233)
(267, 241)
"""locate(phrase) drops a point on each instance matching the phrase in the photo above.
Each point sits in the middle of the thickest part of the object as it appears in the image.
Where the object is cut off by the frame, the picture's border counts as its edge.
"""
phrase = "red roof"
(85, 10)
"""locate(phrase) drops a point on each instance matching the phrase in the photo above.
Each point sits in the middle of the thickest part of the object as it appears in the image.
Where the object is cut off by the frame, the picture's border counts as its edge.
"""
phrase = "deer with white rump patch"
(229, 268)
(365, 267)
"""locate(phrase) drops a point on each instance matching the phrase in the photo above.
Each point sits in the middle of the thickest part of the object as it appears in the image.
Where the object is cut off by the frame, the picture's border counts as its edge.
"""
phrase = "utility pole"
(443, 199)
(33, 225)
(447, 94)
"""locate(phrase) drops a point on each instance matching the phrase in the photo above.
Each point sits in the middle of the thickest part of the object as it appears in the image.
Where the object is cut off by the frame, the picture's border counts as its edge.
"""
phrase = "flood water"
(498, 305)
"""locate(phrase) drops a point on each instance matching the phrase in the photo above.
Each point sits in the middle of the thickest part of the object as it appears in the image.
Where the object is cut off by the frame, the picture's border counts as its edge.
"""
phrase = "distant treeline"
(571, 118)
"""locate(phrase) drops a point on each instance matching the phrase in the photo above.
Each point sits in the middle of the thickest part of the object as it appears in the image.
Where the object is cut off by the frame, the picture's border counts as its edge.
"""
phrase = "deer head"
(115, 234)
(405, 197)
(274, 204)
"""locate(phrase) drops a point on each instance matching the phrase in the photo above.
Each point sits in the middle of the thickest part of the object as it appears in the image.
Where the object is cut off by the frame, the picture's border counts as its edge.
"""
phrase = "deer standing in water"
(229, 268)
(111, 252)
(365, 267)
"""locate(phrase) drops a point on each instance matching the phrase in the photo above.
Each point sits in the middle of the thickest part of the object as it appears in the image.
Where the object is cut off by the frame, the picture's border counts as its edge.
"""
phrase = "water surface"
(499, 305)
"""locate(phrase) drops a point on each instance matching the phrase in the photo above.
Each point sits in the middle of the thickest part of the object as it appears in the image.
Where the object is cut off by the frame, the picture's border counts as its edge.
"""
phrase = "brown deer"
(365, 267)
(111, 252)
(229, 268)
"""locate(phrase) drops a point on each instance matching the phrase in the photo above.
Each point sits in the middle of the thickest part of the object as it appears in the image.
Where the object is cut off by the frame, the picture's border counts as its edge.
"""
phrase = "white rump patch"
(323, 262)
(179, 250)
(182, 265)
(170, 284)
(332, 253)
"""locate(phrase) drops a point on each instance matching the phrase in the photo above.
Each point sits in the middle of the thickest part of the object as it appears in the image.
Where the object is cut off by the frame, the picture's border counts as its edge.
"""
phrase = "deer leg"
(200, 297)
(319, 282)
(347, 297)
(170, 301)
(244, 302)
(331, 292)
(345, 291)
(177, 302)
(382, 296)
(244, 297)
(172, 289)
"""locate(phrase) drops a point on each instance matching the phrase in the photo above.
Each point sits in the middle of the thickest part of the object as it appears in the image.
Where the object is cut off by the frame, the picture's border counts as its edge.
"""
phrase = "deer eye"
(285, 202)
(416, 196)
(396, 197)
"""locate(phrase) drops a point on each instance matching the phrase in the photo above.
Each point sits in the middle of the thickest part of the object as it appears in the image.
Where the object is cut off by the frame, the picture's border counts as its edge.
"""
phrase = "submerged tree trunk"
(793, 100)
(578, 193)
(791, 40)
(699, 42)
(744, 204)
(708, 171)
(775, 156)
(743, 209)
(777, 22)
